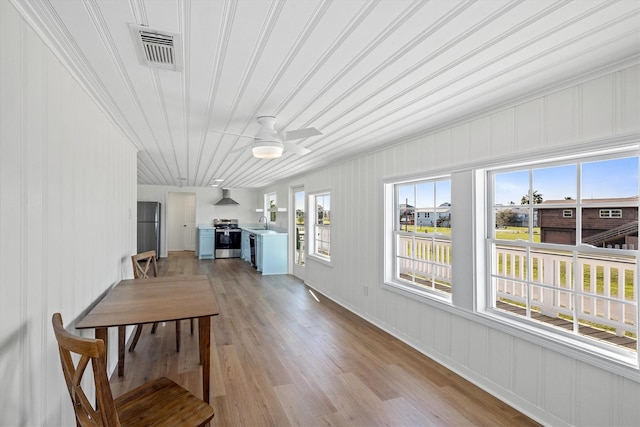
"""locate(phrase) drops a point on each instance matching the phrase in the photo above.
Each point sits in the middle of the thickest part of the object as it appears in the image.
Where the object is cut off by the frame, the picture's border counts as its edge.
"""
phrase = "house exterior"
(430, 217)
(605, 222)
(426, 217)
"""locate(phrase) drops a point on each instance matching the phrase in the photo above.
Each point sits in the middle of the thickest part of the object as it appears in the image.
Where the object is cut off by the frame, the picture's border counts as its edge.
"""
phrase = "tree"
(537, 198)
(505, 217)
(272, 210)
(323, 216)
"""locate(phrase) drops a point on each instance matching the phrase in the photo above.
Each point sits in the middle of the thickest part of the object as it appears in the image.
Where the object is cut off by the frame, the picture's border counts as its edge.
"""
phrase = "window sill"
(320, 260)
(417, 293)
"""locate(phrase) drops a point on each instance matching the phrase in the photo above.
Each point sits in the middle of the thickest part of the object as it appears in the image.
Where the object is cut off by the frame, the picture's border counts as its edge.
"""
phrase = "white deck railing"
(595, 295)
(427, 258)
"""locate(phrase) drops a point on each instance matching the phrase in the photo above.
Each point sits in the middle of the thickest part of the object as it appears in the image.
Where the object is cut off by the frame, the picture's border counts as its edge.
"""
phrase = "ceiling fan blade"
(238, 149)
(234, 134)
(300, 133)
(296, 149)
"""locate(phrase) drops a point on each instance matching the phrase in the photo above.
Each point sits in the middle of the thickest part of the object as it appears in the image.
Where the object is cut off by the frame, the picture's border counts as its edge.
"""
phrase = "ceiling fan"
(269, 144)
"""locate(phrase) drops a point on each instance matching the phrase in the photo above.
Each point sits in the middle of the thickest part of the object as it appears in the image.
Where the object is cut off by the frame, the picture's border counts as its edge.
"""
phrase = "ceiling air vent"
(157, 49)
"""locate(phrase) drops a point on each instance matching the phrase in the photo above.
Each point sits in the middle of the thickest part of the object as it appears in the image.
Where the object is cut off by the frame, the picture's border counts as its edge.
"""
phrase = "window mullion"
(579, 205)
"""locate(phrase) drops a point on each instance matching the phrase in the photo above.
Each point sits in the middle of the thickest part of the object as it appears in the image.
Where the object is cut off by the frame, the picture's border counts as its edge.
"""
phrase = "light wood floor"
(280, 358)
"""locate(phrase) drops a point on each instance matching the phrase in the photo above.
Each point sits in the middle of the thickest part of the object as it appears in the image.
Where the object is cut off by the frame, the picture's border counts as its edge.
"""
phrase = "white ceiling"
(365, 73)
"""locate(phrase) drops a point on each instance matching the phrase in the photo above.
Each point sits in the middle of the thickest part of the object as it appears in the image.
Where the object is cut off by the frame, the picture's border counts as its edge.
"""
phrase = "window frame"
(271, 213)
(610, 213)
(470, 200)
(312, 248)
(569, 342)
(390, 273)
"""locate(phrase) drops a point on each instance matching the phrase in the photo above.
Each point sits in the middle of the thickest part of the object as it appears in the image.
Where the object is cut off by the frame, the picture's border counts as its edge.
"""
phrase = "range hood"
(226, 199)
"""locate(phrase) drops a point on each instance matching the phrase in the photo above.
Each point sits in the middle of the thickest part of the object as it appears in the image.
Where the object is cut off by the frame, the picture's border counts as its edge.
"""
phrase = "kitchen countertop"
(259, 229)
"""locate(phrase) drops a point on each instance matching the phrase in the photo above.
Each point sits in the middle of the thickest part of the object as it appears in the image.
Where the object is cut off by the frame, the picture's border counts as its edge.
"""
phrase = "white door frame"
(297, 269)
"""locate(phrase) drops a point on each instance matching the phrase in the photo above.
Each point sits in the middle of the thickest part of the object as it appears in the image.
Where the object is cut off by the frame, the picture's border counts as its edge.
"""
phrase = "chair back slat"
(90, 351)
(160, 402)
(144, 264)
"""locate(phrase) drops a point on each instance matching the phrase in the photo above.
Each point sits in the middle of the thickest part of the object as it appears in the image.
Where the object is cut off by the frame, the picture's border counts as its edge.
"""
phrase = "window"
(421, 237)
(321, 205)
(299, 248)
(610, 213)
(270, 206)
(569, 277)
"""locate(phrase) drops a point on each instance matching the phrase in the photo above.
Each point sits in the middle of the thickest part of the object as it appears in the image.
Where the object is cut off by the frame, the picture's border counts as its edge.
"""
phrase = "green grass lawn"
(513, 269)
(424, 229)
(508, 233)
(517, 233)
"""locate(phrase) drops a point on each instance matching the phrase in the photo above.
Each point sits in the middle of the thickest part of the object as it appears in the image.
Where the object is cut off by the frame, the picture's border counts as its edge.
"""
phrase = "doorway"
(181, 221)
(298, 245)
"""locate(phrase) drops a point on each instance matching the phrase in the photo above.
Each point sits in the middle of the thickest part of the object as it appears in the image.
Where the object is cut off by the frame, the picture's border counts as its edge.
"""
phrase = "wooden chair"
(144, 266)
(160, 402)
(149, 265)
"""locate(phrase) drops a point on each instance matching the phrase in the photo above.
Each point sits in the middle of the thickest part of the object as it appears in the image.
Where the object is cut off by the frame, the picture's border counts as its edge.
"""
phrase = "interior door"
(298, 242)
(189, 228)
(181, 218)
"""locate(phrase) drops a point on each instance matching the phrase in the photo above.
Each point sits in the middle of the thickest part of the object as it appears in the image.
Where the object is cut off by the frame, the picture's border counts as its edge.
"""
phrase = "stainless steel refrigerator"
(149, 227)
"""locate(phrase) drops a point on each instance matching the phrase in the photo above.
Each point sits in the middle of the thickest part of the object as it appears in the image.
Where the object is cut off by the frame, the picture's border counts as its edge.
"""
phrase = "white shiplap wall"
(67, 218)
(552, 387)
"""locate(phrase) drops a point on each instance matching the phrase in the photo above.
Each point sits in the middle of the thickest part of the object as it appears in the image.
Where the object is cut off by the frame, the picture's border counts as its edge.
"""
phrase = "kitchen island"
(265, 249)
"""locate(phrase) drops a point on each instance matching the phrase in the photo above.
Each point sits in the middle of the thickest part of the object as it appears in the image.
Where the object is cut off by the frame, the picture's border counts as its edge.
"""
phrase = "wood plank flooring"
(280, 358)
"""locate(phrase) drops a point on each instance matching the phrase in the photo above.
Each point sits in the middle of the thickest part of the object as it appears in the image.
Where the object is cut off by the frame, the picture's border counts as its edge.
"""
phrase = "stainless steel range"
(228, 241)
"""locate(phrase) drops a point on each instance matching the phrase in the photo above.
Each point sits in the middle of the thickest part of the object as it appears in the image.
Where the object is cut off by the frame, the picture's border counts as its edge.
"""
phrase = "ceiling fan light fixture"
(267, 149)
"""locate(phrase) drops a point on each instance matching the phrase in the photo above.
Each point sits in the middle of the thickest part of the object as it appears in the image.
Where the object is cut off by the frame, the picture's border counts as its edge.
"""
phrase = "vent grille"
(157, 49)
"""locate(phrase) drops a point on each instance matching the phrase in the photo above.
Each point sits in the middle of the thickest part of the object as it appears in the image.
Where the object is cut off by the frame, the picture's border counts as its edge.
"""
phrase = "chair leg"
(191, 321)
(136, 337)
(154, 327)
(178, 336)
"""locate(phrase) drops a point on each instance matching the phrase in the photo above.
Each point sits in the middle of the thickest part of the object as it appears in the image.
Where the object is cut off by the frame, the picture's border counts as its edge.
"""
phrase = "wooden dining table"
(157, 299)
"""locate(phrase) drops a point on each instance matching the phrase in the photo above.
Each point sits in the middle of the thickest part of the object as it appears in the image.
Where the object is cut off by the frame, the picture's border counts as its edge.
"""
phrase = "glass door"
(298, 244)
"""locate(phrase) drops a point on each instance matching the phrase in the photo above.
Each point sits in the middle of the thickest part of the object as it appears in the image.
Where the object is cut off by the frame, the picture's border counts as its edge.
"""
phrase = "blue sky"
(299, 200)
(603, 179)
(425, 194)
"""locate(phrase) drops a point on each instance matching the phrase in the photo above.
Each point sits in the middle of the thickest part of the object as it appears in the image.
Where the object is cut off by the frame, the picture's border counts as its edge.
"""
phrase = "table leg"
(101, 334)
(204, 338)
(121, 344)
